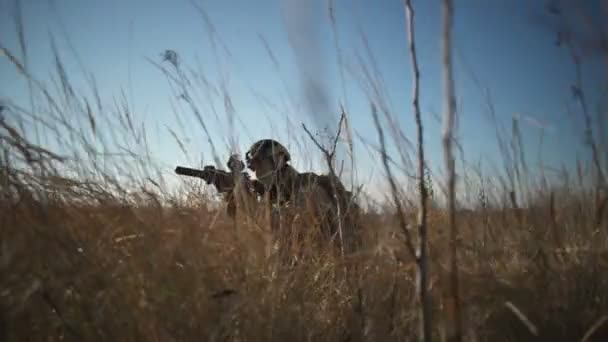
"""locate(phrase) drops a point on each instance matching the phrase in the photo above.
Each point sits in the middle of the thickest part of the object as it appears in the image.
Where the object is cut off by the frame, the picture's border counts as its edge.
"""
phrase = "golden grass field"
(122, 270)
(92, 255)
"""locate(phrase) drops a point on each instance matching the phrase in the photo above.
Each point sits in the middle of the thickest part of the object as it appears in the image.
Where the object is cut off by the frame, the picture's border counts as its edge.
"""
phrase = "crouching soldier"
(306, 195)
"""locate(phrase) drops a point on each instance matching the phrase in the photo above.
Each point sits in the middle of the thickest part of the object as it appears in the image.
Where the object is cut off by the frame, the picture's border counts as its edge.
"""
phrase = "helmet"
(267, 148)
(235, 164)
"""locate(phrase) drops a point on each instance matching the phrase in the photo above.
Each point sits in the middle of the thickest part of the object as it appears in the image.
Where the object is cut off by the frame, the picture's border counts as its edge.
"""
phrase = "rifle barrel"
(186, 171)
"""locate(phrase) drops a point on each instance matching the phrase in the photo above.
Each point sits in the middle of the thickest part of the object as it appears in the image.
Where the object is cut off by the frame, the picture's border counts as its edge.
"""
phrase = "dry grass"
(123, 269)
(93, 250)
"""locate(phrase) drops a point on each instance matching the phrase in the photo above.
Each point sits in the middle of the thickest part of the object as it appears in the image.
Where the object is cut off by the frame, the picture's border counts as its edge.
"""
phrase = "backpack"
(343, 197)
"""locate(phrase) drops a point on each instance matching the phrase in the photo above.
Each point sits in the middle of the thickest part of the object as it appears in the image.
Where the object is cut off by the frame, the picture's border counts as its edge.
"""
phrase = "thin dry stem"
(522, 318)
(329, 159)
(594, 328)
(452, 300)
(394, 192)
(423, 264)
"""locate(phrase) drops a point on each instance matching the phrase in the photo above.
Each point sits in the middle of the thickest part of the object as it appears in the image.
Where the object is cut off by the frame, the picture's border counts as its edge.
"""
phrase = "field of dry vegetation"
(94, 250)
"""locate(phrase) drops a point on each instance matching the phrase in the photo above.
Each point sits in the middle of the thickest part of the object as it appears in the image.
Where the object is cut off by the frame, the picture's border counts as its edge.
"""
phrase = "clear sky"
(504, 44)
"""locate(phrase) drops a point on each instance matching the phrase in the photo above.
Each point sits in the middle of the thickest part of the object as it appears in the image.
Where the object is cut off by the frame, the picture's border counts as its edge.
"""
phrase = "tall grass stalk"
(422, 258)
(452, 298)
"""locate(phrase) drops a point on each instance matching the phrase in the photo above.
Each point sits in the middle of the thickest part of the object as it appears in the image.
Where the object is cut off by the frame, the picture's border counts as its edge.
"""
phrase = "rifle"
(222, 180)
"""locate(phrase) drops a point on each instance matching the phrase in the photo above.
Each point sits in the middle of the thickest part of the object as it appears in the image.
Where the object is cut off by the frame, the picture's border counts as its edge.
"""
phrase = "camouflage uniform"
(302, 195)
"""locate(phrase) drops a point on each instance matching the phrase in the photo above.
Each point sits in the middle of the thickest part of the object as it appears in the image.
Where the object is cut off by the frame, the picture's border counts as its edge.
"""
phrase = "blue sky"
(500, 41)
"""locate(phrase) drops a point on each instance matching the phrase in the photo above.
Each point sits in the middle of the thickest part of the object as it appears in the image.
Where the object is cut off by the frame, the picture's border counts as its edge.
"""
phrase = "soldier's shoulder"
(306, 179)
